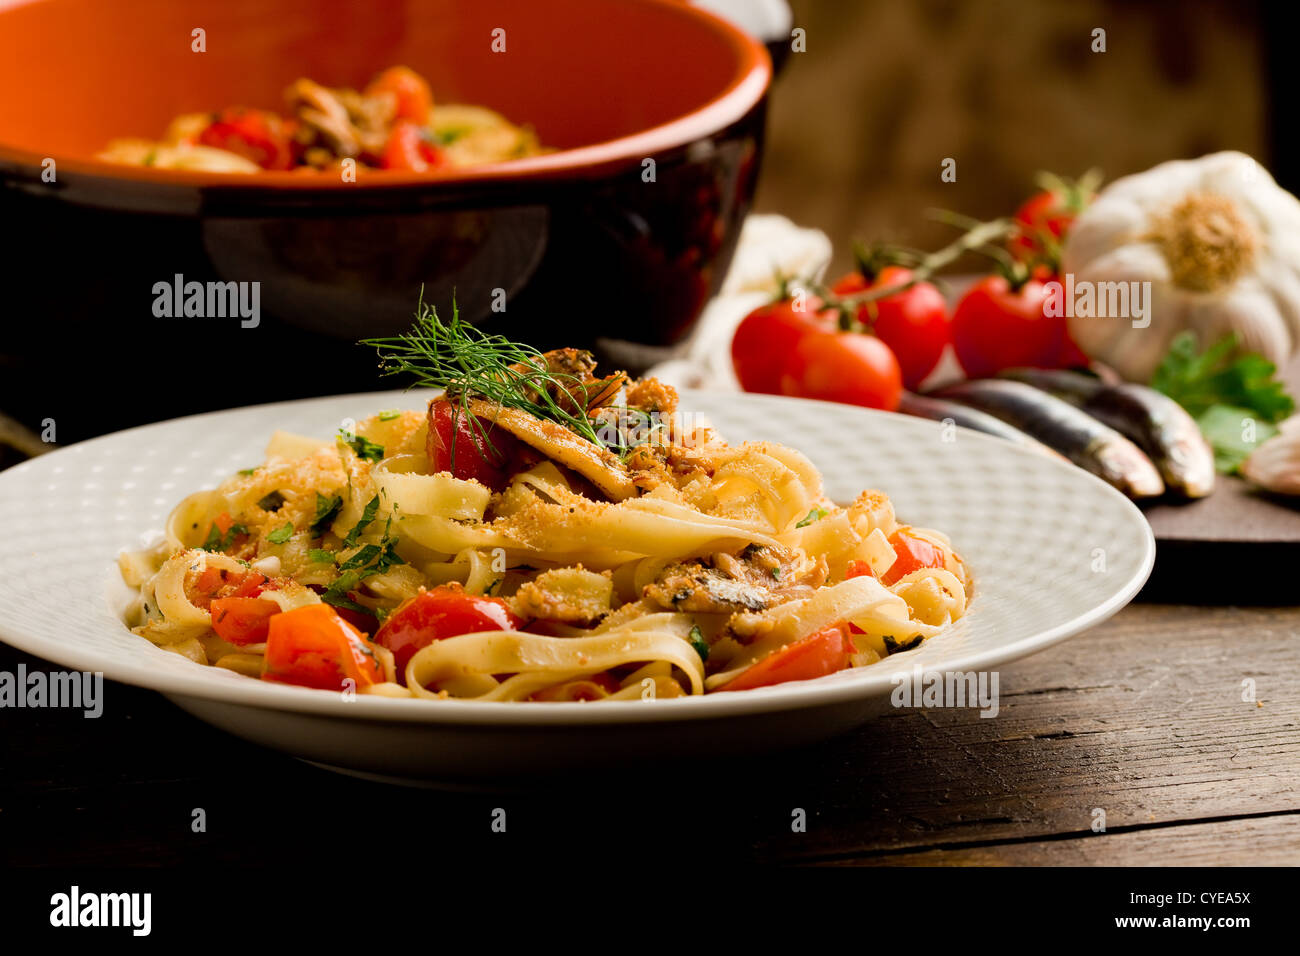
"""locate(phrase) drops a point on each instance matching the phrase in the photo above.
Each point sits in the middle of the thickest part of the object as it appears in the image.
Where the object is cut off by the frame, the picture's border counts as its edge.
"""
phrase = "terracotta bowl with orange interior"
(585, 247)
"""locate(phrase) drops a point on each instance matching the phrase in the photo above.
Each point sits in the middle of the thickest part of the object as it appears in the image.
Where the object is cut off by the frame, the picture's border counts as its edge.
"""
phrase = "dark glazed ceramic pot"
(620, 235)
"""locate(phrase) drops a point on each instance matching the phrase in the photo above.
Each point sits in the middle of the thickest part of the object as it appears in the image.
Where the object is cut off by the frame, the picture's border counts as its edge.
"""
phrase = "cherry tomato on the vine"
(848, 367)
(995, 326)
(913, 323)
(767, 336)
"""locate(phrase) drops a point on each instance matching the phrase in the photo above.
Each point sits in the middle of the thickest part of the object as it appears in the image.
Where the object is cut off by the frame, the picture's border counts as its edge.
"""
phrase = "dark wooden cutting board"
(1239, 545)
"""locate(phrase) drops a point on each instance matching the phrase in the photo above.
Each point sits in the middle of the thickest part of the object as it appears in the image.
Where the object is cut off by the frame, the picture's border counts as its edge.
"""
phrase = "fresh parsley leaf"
(815, 515)
(367, 518)
(698, 642)
(775, 572)
(338, 597)
(1220, 376)
(247, 471)
(390, 557)
(369, 560)
(363, 447)
(1226, 428)
(213, 541)
(445, 136)
(216, 541)
(388, 414)
(362, 558)
(320, 556)
(326, 510)
(282, 534)
(1233, 397)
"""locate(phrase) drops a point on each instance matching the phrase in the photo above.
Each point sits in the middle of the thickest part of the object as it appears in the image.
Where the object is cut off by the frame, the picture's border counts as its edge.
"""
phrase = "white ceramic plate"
(1052, 551)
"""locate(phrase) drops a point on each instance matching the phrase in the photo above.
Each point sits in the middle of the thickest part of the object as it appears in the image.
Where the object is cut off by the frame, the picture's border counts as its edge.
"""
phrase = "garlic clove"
(1275, 465)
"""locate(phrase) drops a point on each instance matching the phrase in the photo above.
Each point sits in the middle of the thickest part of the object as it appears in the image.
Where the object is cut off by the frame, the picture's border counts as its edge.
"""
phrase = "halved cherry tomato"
(441, 612)
(409, 148)
(242, 620)
(313, 647)
(414, 99)
(858, 569)
(766, 337)
(847, 367)
(257, 135)
(455, 444)
(913, 554)
(816, 655)
(913, 323)
(996, 327)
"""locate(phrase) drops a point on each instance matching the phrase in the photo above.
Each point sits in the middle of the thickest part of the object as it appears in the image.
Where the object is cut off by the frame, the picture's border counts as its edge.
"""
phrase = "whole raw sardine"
(1155, 422)
(1078, 436)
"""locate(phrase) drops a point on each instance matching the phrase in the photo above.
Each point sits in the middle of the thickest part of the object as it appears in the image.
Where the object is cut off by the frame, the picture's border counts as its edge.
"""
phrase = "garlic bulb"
(1275, 465)
(1219, 242)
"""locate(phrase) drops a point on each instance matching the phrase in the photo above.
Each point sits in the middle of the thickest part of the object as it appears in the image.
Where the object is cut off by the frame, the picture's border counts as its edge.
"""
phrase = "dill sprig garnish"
(469, 363)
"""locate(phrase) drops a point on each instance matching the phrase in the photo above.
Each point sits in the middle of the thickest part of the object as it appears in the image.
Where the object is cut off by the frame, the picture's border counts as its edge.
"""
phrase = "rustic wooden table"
(1142, 718)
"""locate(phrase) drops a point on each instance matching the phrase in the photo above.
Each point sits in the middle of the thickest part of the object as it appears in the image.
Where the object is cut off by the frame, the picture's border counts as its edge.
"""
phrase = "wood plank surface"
(1269, 840)
(1142, 717)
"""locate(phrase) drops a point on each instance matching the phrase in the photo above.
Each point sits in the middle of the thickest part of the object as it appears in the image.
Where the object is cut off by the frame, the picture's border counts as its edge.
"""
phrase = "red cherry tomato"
(816, 655)
(995, 327)
(313, 647)
(445, 611)
(242, 620)
(767, 336)
(847, 367)
(912, 554)
(414, 99)
(210, 583)
(913, 323)
(455, 444)
(1043, 220)
(409, 149)
(859, 569)
(257, 135)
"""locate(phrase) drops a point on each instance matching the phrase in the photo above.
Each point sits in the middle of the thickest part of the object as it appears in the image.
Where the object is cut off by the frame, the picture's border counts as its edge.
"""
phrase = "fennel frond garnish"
(469, 363)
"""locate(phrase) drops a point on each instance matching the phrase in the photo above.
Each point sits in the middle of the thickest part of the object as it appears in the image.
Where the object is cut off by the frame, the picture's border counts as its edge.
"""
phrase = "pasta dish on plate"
(539, 533)
(391, 124)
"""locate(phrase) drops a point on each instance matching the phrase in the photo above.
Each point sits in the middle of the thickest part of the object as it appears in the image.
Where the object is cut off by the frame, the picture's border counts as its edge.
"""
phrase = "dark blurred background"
(861, 121)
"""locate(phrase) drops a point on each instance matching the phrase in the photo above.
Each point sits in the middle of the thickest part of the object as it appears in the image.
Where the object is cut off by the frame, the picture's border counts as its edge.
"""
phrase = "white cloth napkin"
(769, 247)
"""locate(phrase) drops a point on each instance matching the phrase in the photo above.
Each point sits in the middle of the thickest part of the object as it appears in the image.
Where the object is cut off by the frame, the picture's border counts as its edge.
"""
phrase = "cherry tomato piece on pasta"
(441, 612)
(457, 445)
(257, 135)
(913, 554)
(409, 149)
(858, 569)
(242, 620)
(313, 647)
(408, 88)
(816, 655)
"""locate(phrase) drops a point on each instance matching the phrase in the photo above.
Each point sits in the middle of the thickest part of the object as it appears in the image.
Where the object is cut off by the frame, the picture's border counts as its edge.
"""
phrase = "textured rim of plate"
(845, 687)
